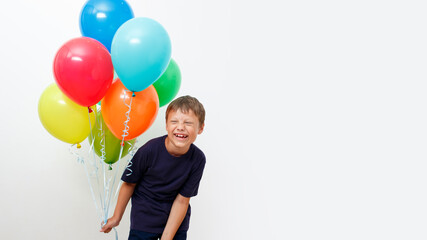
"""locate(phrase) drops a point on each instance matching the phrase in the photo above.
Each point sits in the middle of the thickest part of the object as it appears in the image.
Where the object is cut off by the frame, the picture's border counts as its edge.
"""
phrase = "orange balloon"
(144, 109)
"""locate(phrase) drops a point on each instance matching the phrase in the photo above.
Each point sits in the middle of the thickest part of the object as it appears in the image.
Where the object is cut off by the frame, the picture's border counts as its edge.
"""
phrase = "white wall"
(316, 119)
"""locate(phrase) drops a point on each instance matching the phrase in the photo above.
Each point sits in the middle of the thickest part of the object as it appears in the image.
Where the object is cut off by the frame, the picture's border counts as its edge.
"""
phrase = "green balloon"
(167, 86)
(112, 144)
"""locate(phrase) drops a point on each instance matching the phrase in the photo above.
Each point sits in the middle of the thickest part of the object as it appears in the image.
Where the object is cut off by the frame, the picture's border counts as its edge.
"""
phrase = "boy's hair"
(186, 103)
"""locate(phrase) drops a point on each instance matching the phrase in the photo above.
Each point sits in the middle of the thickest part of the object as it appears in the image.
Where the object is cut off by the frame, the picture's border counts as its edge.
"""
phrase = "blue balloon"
(100, 19)
(141, 51)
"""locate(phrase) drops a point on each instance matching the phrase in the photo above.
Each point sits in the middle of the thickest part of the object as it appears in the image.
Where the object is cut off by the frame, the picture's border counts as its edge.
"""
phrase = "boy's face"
(182, 129)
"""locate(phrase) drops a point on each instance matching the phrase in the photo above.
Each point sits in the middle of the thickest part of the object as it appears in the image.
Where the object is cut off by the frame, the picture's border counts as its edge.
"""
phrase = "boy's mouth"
(182, 136)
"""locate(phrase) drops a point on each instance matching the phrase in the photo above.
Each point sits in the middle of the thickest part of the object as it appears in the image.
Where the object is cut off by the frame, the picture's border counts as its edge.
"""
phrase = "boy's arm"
(126, 191)
(177, 214)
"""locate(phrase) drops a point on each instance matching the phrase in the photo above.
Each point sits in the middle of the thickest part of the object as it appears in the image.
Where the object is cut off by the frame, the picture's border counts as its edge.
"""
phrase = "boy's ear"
(201, 129)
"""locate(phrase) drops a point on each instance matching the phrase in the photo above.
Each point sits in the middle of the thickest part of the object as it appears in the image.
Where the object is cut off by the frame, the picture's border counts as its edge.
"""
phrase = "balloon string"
(127, 114)
(104, 211)
(102, 139)
(81, 160)
(115, 231)
(102, 162)
(125, 133)
(132, 151)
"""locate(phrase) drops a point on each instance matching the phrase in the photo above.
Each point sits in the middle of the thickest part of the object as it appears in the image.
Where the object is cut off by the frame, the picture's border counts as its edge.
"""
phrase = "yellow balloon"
(63, 118)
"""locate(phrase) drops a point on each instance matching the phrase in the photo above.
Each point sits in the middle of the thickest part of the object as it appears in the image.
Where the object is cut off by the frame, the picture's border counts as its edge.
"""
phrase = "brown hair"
(185, 104)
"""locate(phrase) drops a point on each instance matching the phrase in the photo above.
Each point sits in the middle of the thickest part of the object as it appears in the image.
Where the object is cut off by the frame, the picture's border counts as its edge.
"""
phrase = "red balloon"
(83, 70)
(144, 109)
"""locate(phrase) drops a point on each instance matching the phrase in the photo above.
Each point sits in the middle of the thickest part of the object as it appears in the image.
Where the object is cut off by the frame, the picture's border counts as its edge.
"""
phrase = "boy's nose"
(180, 126)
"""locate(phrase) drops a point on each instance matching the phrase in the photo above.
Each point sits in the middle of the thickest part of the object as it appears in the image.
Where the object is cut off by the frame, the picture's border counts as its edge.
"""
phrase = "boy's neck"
(173, 150)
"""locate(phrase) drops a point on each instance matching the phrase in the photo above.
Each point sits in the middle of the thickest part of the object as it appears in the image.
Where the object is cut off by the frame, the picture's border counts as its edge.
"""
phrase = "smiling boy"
(165, 173)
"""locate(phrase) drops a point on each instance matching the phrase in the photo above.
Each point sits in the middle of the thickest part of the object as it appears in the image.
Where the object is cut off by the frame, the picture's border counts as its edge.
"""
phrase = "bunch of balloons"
(109, 83)
(119, 60)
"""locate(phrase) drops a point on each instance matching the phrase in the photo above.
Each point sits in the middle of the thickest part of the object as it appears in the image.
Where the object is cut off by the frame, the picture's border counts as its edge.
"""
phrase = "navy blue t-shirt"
(160, 177)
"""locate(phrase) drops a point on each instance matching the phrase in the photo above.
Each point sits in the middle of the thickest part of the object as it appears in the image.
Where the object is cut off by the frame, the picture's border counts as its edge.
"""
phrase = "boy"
(164, 174)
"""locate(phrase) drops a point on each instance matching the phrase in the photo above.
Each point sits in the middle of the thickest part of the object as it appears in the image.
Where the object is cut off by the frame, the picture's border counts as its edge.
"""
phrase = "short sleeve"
(136, 167)
(191, 186)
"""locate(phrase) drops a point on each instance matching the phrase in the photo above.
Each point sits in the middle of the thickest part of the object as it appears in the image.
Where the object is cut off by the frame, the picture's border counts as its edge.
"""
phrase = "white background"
(315, 129)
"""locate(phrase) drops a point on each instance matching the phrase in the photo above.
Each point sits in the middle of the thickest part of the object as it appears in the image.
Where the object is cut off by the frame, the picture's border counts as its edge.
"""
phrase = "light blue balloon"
(140, 51)
(100, 19)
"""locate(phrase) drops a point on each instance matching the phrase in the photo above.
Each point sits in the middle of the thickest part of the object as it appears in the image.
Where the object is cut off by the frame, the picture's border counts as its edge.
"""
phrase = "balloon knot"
(78, 145)
(110, 168)
(90, 109)
(133, 94)
(122, 143)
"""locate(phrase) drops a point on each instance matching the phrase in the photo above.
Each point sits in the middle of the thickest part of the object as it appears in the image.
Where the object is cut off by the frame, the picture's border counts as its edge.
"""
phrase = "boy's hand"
(111, 223)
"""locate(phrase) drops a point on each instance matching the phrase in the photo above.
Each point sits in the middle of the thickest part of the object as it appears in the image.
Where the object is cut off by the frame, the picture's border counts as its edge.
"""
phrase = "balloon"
(167, 86)
(111, 143)
(140, 52)
(144, 108)
(100, 19)
(83, 70)
(63, 118)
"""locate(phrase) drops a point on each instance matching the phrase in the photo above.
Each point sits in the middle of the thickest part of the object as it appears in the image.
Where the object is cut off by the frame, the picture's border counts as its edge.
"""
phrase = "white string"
(125, 134)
